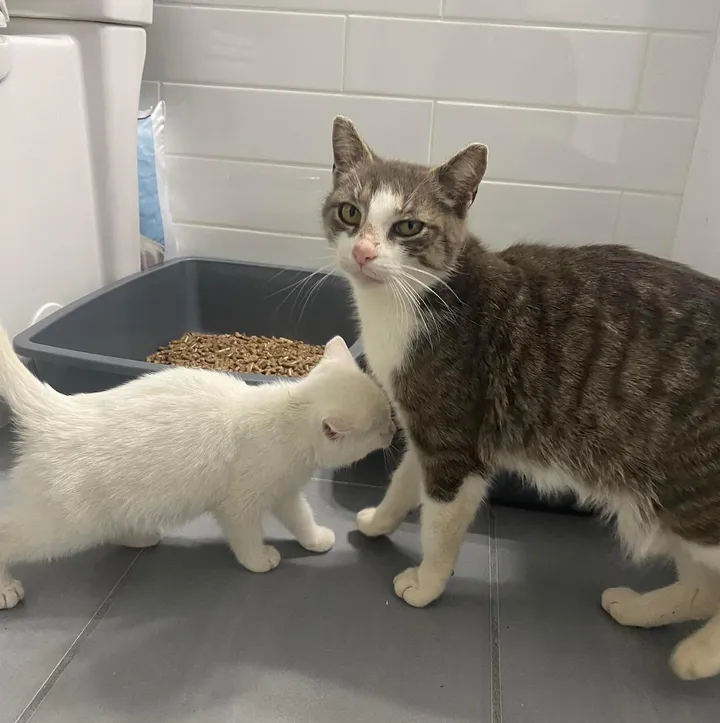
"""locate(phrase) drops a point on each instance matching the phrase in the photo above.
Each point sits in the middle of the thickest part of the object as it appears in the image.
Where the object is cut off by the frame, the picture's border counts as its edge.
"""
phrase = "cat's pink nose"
(364, 251)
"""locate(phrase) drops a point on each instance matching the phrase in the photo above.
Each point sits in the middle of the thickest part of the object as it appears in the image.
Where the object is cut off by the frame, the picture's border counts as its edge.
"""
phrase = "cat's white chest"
(386, 333)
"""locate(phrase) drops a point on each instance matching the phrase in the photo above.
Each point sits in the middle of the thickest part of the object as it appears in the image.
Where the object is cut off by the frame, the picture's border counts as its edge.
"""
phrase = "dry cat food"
(240, 353)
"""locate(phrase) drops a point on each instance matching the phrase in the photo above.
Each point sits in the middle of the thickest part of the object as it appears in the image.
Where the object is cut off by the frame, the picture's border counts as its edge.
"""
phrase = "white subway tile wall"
(589, 109)
(675, 71)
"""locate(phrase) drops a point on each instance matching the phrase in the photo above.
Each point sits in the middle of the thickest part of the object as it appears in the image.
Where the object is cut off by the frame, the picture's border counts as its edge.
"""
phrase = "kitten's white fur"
(389, 319)
(124, 464)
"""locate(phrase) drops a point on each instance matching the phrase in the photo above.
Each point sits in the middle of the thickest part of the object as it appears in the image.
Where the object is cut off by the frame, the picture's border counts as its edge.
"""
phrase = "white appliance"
(70, 73)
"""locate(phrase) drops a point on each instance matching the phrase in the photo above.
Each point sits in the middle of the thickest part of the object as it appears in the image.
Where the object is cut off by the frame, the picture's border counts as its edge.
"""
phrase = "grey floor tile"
(562, 659)
(62, 597)
(322, 639)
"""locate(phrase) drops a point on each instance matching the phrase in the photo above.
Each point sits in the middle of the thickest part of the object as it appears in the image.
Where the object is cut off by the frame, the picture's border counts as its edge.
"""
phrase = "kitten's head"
(390, 220)
(349, 413)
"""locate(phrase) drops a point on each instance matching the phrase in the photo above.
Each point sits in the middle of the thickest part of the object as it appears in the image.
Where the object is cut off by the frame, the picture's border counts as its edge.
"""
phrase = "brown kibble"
(269, 355)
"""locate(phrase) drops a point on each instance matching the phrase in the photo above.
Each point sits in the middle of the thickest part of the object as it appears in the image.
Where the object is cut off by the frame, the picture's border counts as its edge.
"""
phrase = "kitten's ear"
(335, 428)
(460, 176)
(336, 350)
(349, 149)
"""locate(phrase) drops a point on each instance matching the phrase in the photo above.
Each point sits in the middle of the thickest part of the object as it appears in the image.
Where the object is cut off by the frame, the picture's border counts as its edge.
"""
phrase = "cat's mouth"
(364, 274)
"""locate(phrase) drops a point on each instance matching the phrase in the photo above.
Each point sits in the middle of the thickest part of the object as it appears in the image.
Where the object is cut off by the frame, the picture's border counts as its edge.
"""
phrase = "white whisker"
(316, 286)
(298, 286)
(406, 268)
(405, 275)
(421, 311)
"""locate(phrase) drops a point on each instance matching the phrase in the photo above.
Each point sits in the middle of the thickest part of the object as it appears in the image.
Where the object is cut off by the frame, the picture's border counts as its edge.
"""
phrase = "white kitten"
(124, 464)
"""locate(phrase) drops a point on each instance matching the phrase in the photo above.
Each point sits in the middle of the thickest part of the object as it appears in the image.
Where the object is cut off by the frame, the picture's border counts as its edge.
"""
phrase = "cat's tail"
(23, 392)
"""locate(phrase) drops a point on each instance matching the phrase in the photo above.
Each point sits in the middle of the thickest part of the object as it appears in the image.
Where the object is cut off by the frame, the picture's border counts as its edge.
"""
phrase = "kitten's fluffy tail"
(22, 391)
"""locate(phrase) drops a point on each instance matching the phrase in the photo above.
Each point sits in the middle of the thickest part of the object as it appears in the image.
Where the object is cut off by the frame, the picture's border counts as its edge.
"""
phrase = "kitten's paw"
(266, 559)
(697, 657)
(369, 523)
(323, 540)
(11, 593)
(618, 603)
(139, 540)
(417, 589)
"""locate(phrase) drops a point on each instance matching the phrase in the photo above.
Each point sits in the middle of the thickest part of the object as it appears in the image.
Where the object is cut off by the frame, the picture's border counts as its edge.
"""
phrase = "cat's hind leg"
(32, 531)
(11, 590)
(295, 513)
(242, 528)
(694, 596)
(402, 496)
(14, 547)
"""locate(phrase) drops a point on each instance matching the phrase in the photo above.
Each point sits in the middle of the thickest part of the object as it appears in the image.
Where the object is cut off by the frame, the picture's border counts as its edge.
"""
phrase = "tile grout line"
(425, 99)
(495, 676)
(37, 700)
(432, 131)
(618, 210)
(643, 69)
(494, 181)
(439, 18)
(343, 63)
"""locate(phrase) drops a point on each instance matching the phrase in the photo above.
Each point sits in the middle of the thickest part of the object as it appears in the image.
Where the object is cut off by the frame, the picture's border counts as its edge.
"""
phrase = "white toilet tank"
(70, 73)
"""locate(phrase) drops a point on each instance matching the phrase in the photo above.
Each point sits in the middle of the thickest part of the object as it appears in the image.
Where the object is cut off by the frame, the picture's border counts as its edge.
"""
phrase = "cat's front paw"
(371, 524)
(267, 558)
(697, 657)
(11, 593)
(417, 589)
(322, 540)
(618, 603)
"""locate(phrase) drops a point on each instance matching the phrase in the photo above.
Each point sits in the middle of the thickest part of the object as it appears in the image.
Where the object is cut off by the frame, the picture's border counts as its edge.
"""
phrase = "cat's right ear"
(349, 149)
(460, 176)
(336, 350)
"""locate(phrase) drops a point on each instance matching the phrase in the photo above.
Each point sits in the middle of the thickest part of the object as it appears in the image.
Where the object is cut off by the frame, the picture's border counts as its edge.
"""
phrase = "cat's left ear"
(349, 149)
(335, 428)
(336, 350)
(460, 176)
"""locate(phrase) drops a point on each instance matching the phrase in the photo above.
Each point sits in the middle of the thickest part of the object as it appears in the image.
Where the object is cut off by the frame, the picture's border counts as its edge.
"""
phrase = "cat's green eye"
(408, 228)
(349, 214)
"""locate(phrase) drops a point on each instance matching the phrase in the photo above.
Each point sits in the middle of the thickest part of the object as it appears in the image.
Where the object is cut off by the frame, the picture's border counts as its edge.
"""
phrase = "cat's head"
(349, 413)
(391, 221)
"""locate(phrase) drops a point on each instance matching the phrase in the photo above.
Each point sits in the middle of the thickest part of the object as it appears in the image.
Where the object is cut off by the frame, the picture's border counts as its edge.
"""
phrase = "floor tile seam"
(495, 652)
(67, 658)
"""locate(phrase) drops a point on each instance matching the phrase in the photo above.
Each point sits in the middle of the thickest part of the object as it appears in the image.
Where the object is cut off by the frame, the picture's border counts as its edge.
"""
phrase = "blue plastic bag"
(157, 238)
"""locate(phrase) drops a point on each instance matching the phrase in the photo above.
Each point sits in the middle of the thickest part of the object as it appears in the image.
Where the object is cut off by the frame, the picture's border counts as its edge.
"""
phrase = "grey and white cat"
(593, 369)
(122, 465)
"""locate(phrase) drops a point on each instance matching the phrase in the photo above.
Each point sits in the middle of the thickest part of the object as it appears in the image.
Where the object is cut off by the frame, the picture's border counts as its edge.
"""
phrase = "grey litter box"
(102, 340)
